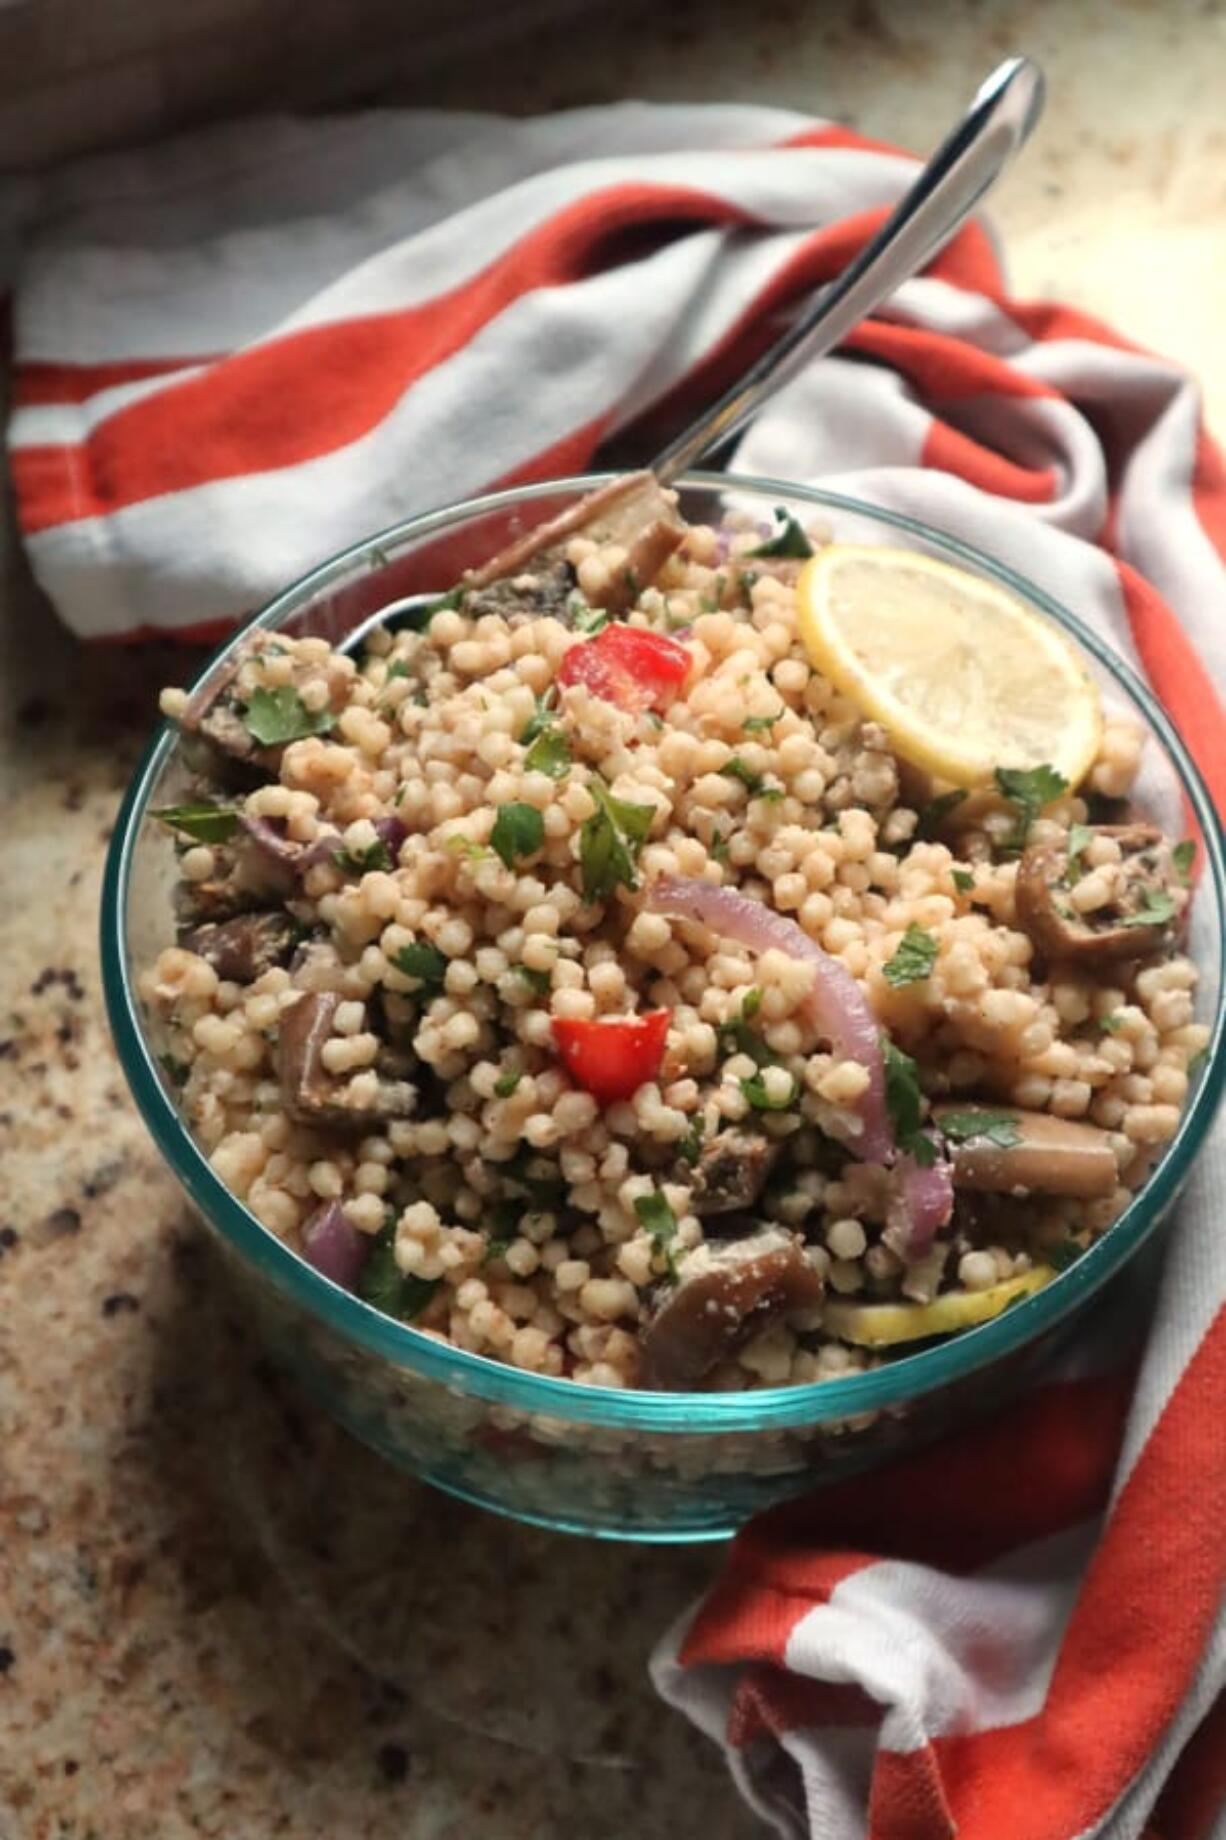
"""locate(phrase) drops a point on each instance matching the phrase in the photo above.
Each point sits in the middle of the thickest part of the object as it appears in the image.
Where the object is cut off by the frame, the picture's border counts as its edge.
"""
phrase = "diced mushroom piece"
(1051, 1156)
(731, 1172)
(313, 1095)
(1144, 883)
(244, 948)
(634, 511)
(725, 1294)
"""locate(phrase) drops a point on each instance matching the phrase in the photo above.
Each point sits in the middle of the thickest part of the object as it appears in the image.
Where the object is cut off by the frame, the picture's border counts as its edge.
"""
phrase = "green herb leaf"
(753, 783)
(660, 1224)
(982, 1126)
(464, 846)
(498, 1247)
(748, 578)
(382, 1283)
(519, 830)
(540, 981)
(736, 1037)
(904, 1101)
(932, 816)
(397, 668)
(549, 753)
(754, 725)
(1111, 1025)
(610, 841)
(1158, 906)
(962, 880)
(505, 1085)
(423, 962)
(358, 862)
(719, 849)
(204, 823)
(275, 717)
(585, 619)
(1028, 790)
(540, 719)
(1183, 856)
(755, 1090)
(690, 1146)
(788, 540)
(1080, 836)
(914, 959)
(420, 617)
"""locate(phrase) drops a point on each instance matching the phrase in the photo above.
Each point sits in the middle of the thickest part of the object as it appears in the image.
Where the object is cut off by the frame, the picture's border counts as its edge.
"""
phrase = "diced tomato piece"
(629, 666)
(612, 1057)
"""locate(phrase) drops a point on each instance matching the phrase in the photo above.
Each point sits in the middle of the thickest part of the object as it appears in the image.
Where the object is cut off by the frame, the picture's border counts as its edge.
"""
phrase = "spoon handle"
(969, 160)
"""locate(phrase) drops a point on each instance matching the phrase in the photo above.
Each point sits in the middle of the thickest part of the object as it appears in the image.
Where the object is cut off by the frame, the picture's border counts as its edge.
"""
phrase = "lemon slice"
(961, 674)
(880, 1325)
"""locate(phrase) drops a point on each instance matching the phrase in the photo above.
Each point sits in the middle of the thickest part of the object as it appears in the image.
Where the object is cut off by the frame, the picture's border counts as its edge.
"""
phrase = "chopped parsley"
(904, 1102)
(982, 1126)
(660, 1224)
(933, 815)
(748, 579)
(709, 603)
(397, 668)
(274, 717)
(690, 1146)
(762, 1100)
(753, 725)
(914, 959)
(719, 849)
(788, 540)
(539, 981)
(587, 619)
(754, 784)
(1028, 790)
(376, 855)
(962, 880)
(540, 719)
(1183, 856)
(736, 1037)
(420, 617)
(505, 1085)
(423, 962)
(519, 830)
(1079, 838)
(464, 846)
(610, 841)
(382, 1283)
(549, 753)
(1111, 1025)
(204, 823)
(1158, 906)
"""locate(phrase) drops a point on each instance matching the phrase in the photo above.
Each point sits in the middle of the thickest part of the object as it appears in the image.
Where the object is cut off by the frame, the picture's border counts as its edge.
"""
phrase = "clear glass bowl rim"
(471, 1375)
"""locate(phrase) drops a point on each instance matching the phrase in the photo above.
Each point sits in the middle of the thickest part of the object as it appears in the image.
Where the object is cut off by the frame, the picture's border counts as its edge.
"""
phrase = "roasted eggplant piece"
(244, 948)
(311, 1095)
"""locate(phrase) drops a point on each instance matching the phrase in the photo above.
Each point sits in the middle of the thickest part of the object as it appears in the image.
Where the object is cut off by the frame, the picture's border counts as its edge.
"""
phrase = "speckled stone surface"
(218, 1615)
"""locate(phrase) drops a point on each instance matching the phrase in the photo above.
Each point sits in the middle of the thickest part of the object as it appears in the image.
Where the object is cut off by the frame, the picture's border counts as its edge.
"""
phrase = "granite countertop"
(218, 1615)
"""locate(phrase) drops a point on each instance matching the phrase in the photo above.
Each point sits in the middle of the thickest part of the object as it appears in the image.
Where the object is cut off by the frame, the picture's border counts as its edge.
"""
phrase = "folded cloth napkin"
(246, 349)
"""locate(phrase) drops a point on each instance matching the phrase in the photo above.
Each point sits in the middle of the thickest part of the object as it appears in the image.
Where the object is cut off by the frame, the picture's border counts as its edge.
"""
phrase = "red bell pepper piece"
(629, 666)
(615, 1055)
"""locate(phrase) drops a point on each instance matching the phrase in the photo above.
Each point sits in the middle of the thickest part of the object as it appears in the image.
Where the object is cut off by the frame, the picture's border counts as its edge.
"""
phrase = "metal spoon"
(969, 160)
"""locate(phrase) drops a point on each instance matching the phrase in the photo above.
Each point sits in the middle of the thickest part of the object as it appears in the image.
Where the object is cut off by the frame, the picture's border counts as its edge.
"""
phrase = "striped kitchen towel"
(252, 347)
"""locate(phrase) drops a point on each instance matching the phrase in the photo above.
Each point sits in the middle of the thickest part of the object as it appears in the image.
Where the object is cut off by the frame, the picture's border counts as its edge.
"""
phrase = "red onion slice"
(333, 1245)
(839, 1008)
(836, 1003)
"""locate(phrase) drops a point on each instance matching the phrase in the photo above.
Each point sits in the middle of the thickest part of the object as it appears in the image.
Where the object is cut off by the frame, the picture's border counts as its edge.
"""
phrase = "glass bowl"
(636, 1465)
